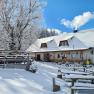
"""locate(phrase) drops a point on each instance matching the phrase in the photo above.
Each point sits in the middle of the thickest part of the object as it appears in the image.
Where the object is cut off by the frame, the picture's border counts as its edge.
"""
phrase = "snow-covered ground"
(20, 81)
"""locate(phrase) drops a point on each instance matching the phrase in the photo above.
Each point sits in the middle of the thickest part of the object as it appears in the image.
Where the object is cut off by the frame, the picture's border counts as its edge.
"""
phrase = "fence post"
(53, 81)
(55, 87)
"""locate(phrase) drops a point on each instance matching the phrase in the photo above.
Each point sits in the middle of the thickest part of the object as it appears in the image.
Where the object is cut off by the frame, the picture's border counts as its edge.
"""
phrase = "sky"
(56, 10)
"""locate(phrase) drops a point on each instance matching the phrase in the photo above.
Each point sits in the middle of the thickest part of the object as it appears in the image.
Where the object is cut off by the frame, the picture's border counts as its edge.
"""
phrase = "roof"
(81, 40)
(87, 37)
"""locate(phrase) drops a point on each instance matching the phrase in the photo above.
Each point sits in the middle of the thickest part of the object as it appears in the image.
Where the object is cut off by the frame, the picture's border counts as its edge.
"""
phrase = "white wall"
(54, 55)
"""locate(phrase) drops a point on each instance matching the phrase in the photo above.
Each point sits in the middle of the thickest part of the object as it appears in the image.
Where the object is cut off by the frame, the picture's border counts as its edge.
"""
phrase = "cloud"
(78, 21)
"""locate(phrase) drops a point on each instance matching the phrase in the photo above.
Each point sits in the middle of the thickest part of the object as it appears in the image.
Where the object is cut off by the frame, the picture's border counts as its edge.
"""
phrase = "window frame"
(63, 43)
(43, 45)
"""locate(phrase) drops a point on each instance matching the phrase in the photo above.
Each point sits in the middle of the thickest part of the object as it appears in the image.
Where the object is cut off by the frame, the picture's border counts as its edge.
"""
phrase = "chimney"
(75, 30)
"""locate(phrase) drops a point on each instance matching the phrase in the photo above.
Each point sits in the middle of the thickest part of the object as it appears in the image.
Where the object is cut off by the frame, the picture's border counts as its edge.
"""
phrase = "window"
(44, 45)
(92, 52)
(63, 43)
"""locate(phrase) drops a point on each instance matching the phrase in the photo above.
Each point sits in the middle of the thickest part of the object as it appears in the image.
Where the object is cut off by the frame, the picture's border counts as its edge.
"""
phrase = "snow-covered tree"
(49, 32)
(19, 22)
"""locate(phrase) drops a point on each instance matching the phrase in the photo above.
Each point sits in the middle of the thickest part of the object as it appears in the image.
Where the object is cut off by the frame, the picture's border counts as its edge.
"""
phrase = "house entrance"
(38, 57)
(46, 57)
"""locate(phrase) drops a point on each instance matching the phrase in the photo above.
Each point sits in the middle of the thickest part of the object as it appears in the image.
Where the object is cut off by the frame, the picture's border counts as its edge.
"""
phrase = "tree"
(19, 21)
(49, 32)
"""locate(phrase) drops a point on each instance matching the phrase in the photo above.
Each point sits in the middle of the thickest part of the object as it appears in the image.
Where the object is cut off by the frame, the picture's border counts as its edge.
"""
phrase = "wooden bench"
(2, 65)
(77, 77)
(75, 89)
(76, 73)
(82, 88)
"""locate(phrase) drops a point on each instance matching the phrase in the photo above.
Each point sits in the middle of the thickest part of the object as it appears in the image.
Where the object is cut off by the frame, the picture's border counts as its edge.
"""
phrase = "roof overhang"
(84, 49)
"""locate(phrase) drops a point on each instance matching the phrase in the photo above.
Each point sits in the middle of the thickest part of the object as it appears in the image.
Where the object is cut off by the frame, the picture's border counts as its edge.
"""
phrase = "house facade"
(67, 47)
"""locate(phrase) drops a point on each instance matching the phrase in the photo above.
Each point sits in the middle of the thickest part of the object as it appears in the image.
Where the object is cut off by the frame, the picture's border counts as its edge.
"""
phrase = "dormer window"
(64, 43)
(43, 45)
(92, 52)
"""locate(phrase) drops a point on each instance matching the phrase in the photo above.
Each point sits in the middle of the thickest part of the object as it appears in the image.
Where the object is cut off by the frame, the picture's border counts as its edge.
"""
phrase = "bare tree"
(20, 19)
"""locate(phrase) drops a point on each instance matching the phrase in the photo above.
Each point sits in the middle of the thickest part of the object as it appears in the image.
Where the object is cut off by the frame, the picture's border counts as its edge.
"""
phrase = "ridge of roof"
(86, 30)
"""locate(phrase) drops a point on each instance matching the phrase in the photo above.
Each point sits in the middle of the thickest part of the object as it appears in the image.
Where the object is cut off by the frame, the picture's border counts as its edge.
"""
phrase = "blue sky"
(68, 9)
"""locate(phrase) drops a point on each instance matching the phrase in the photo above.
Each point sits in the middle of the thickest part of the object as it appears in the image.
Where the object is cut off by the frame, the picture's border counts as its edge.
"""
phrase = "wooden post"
(53, 81)
(92, 81)
(28, 63)
(59, 74)
(72, 90)
(4, 61)
(55, 87)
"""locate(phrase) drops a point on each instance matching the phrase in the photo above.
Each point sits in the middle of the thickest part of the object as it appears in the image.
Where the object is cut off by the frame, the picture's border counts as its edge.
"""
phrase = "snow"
(78, 40)
(88, 85)
(77, 72)
(82, 88)
(78, 77)
(20, 81)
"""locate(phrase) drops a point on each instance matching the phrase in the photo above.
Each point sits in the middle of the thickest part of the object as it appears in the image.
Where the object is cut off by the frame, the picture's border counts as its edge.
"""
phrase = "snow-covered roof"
(87, 37)
(77, 41)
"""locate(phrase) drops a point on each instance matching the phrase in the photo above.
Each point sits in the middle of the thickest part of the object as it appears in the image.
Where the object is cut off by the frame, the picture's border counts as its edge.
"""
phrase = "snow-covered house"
(67, 47)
